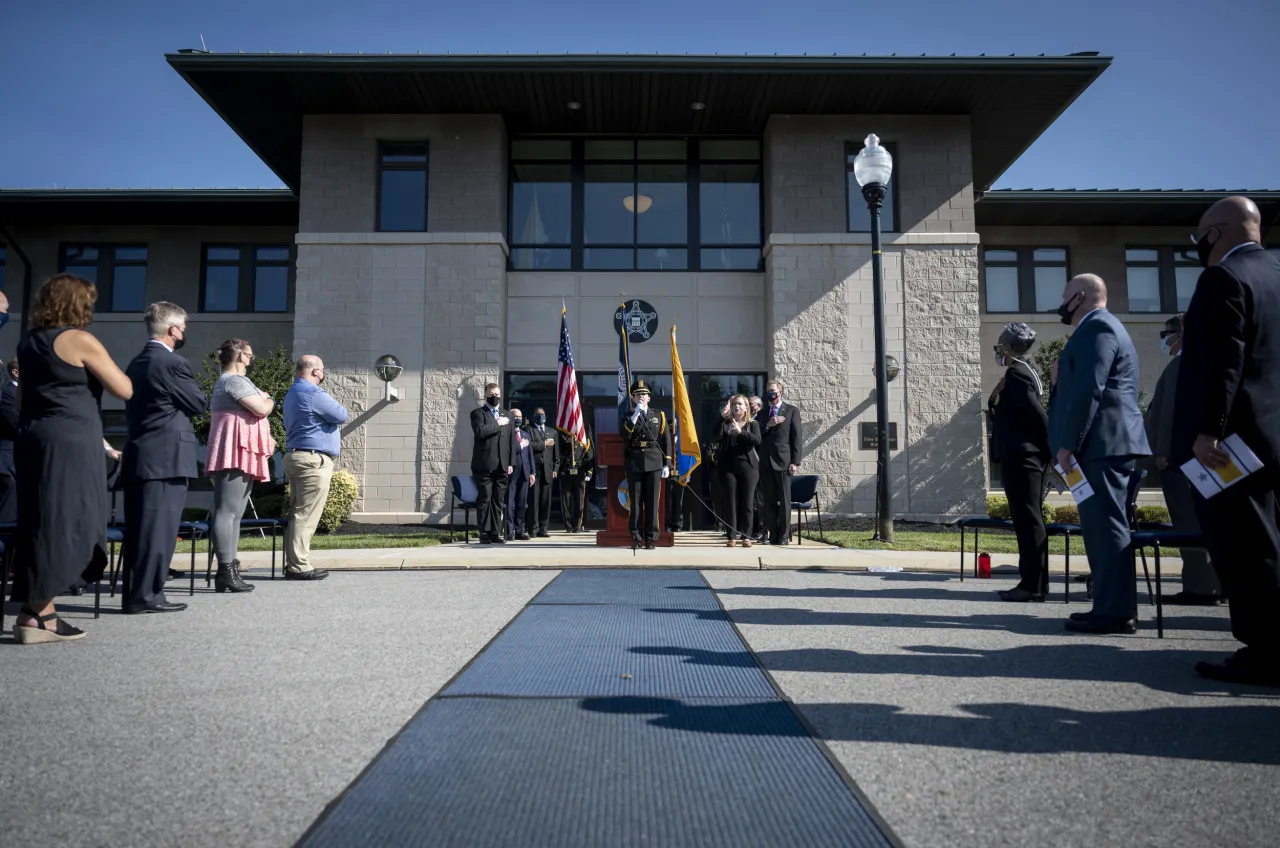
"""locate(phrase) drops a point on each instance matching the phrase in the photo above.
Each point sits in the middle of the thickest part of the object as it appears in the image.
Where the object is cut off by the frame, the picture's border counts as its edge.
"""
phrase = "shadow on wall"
(470, 396)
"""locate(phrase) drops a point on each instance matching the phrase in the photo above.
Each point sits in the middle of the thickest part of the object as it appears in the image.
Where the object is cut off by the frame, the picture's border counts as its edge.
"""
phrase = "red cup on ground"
(984, 565)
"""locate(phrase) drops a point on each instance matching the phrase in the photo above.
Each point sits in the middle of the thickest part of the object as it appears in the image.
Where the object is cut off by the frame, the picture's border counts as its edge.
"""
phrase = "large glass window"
(402, 187)
(624, 204)
(859, 214)
(246, 278)
(1024, 279)
(1160, 279)
(118, 271)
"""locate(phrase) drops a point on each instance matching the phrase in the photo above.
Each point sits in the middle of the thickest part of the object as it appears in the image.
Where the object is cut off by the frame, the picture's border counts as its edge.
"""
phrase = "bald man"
(1094, 419)
(311, 421)
(1229, 384)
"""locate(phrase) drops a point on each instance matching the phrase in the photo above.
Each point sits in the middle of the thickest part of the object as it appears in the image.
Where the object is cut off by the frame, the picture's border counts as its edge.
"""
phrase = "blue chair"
(1066, 531)
(464, 497)
(276, 525)
(804, 497)
(1157, 539)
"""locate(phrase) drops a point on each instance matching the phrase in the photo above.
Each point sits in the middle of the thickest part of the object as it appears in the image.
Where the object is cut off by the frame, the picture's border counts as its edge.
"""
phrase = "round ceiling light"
(640, 205)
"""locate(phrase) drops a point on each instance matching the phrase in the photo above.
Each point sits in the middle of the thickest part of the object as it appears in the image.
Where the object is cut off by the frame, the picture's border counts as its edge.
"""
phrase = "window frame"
(1167, 263)
(246, 288)
(577, 245)
(106, 265)
(853, 148)
(379, 167)
(1026, 265)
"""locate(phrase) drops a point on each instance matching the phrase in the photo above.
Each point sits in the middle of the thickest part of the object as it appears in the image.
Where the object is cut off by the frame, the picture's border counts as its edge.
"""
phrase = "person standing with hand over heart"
(781, 437)
(491, 463)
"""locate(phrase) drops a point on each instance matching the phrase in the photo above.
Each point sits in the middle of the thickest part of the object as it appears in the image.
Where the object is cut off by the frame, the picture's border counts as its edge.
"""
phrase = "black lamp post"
(872, 168)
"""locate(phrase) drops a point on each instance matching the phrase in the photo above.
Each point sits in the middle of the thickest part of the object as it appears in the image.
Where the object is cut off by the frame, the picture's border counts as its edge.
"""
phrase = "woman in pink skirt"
(240, 447)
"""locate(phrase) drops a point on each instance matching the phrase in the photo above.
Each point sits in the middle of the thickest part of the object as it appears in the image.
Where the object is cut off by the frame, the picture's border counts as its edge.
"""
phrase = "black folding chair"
(463, 497)
(1066, 531)
(804, 497)
(1157, 539)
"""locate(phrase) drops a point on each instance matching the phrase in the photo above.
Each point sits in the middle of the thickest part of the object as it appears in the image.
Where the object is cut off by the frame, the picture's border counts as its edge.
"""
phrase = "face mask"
(1065, 311)
(1001, 359)
(321, 380)
(773, 397)
(493, 400)
(539, 419)
(178, 343)
(518, 421)
(1204, 247)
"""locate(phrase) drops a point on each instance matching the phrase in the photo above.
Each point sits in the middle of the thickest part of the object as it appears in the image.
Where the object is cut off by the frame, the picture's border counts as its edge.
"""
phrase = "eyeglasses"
(1164, 334)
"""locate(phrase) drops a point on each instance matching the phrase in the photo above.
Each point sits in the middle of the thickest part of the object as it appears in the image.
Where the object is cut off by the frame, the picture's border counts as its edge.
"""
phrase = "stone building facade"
(453, 302)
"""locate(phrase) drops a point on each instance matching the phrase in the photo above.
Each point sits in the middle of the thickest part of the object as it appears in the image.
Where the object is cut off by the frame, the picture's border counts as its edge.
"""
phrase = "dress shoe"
(543, 534)
(157, 606)
(175, 575)
(1081, 616)
(1019, 595)
(1102, 626)
(313, 574)
(76, 590)
(495, 539)
(522, 537)
(1241, 667)
(648, 546)
(1191, 599)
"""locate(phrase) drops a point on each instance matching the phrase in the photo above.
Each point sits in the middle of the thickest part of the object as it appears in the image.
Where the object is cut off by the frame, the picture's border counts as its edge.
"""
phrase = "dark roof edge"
(623, 62)
(1091, 195)
(251, 194)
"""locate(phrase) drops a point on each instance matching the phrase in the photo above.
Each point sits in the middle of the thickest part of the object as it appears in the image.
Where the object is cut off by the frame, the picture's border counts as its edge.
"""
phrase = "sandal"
(61, 632)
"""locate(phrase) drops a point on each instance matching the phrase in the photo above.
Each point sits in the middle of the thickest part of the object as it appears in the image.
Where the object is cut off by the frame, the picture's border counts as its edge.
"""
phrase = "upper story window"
(627, 204)
(402, 187)
(859, 214)
(1024, 279)
(1160, 279)
(119, 271)
(246, 278)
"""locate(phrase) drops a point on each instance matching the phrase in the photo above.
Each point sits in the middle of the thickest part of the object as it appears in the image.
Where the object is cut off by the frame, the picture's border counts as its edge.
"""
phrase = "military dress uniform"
(575, 472)
(646, 444)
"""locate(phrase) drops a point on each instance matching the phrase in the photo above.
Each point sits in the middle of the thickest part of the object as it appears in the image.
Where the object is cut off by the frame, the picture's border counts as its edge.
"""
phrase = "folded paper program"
(1075, 480)
(1209, 481)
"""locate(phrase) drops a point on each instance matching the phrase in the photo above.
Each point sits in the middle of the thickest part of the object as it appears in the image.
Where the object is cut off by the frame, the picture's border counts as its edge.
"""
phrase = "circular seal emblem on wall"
(640, 320)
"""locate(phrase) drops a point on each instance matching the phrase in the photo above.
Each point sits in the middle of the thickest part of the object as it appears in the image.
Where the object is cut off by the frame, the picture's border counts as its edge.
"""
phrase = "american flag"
(568, 407)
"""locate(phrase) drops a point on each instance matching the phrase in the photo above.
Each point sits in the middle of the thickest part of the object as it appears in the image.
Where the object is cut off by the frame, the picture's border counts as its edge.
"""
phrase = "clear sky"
(86, 98)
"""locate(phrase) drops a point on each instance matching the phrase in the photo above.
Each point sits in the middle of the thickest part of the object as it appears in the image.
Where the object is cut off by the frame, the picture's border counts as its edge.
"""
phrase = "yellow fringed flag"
(688, 451)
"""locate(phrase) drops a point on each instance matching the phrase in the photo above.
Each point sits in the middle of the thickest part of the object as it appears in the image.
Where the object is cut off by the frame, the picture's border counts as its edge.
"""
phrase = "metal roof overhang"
(1111, 208)
(1011, 101)
(250, 207)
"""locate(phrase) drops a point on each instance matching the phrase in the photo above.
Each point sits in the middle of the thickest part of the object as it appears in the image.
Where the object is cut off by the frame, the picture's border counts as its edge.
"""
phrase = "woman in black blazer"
(739, 468)
(1020, 442)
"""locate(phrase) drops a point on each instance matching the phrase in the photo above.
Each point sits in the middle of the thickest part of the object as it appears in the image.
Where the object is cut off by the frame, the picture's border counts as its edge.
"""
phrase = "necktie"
(773, 411)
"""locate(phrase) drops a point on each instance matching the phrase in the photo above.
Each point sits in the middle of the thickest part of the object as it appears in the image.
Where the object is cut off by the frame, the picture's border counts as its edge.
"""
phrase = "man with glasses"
(311, 421)
(1199, 583)
(1229, 384)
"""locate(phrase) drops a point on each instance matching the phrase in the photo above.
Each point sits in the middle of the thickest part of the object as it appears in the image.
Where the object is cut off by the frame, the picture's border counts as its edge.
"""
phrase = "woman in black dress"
(62, 492)
(739, 468)
(1020, 442)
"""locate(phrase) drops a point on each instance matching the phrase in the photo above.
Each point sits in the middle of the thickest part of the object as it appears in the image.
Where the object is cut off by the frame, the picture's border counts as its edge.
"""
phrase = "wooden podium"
(617, 532)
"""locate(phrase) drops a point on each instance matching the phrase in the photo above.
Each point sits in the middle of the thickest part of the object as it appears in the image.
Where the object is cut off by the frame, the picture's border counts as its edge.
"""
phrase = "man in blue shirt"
(311, 421)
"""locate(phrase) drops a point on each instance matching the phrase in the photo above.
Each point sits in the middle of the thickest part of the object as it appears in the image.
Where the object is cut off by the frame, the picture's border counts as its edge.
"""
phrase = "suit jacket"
(522, 454)
(545, 459)
(646, 443)
(1020, 426)
(161, 443)
(780, 445)
(8, 425)
(1229, 382)
(491, 450)
(1160, 414)
(737, 449)
(1095, 412)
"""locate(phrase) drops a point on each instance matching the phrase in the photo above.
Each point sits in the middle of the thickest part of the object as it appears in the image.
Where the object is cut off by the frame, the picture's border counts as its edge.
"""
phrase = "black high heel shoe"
(228, 579)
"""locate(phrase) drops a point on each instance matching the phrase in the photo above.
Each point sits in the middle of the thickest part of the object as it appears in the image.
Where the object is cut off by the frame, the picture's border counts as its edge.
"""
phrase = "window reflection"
(729, 203)
(665, 221)
(402, 187)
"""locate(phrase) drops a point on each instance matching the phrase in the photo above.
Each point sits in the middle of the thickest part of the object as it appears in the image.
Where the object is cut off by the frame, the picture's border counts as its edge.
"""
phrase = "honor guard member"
(646, 444)
(575, 475)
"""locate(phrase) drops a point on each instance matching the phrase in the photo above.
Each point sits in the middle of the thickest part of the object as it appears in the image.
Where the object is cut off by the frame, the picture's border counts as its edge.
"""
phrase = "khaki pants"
(309, 475)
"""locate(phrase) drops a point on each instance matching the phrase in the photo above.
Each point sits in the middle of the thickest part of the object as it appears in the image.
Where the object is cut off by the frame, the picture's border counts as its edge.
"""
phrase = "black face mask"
(178, 343)
(1204, 248)
(1065, 311)
(539, 419)
(773, 397)
(518, 421)
(493, 400)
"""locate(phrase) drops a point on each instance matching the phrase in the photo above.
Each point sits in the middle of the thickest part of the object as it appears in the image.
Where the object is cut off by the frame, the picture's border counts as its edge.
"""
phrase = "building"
(441, 209)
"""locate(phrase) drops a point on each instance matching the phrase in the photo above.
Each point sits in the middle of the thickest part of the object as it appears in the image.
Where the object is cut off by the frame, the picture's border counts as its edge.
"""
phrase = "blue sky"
(1188, 103)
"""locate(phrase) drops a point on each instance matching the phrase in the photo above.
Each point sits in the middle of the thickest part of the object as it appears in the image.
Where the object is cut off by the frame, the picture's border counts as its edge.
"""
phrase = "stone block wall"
(805, 167)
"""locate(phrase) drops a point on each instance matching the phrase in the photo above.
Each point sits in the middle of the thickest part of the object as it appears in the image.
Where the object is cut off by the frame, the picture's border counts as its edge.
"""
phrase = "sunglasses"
(1164, 334)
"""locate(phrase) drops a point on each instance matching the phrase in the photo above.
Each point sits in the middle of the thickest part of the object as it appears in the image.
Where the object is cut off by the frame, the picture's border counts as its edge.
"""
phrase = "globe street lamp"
(872, 168)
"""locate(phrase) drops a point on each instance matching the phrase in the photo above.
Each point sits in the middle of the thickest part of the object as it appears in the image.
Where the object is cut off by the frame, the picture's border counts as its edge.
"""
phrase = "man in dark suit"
(8, 433)
(1094, 418)
(780, 448)
(575, 475)
(159, 457)
(491, 463)
(546, 462)
(521, 479)
(1229, 384)
(1200, 585)
(646, 446)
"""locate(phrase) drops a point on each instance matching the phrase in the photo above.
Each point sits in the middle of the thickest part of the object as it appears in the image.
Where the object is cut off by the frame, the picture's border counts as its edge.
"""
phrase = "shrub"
(343, 491)
(1047, 512)
(1067, 515)
(997, 506)
(1153, 513)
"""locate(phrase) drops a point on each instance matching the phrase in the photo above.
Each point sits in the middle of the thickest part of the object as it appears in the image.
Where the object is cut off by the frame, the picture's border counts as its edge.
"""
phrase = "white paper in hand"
(1210, 481)
(1081, 491)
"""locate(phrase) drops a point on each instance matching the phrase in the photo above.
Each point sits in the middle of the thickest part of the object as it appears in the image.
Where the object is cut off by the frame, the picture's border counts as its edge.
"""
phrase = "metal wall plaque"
(867, 435)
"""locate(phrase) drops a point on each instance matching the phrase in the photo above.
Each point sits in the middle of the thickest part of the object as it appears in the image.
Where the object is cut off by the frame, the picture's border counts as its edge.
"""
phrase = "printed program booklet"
(1075, 480)
(1210, 481)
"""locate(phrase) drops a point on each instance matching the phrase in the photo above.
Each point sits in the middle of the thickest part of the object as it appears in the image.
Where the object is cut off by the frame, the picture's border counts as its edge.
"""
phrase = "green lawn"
(338, 541)
(991, 542)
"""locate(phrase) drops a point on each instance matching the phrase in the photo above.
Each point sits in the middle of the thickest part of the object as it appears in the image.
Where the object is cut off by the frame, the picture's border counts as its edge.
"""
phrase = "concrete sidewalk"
(704, 551)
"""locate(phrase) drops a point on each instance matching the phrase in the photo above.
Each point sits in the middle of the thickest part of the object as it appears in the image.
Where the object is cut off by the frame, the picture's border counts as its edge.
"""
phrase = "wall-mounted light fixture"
(388, 368)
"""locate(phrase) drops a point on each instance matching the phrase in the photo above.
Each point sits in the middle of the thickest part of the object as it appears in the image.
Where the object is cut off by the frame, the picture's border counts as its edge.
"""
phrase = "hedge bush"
(1153, 513)
(1067, 514)
(998, 507)
(343, 492)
